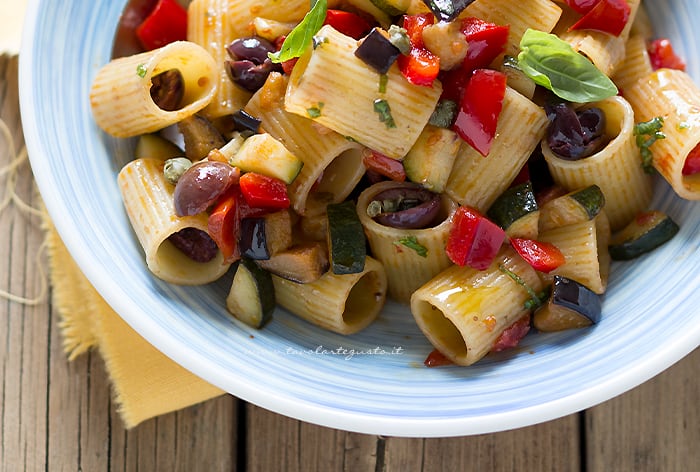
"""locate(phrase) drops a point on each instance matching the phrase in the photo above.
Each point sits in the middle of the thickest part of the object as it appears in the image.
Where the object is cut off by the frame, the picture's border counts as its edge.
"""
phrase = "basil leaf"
(411, 242)
(553, 64)
(300, 37)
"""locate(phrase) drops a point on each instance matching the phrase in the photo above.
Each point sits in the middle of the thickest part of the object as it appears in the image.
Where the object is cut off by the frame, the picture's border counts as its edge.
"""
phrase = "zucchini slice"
(571, 305)
(574, 207)
(304, 263)
(252, 295)
(430, 160)
(646, 232)
(516, 211)
(346, 239)
(264, 154)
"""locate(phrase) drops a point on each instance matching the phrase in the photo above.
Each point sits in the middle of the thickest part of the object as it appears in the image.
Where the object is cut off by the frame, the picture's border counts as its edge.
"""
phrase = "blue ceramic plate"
(373, 382)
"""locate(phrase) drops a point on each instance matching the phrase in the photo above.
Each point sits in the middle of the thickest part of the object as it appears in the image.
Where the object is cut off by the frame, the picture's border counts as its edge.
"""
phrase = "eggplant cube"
(377, 51)
(571, 305)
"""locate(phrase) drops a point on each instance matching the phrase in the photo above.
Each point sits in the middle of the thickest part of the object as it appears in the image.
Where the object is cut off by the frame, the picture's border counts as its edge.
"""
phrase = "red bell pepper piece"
(420, 66)
(347, 23)
(662, 55)
(288, 65)
(608, 16)
(692, 162)
(481, 104)
(261, 191)
(542, 256)
(384, 165)
(224, 224)
(486, 42)
(436, 359)
(474, 240)
(167, 23)
(582, 6)
(512, 335)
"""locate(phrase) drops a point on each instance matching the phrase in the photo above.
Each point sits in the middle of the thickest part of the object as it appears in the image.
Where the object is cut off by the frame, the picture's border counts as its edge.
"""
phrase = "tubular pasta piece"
(148, 199)
(120, 95)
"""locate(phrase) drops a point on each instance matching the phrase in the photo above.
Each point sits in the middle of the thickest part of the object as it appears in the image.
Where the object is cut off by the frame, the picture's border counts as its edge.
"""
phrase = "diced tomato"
(347, 23)
(224, 224)
(692, 162)
(541, 255)
(662, 55)
(481, 104)
(167, 23)
(474, 240)
(384, 165)
(261, 191)
(608, 16)
(420, 67)
(512, 335)
(486, 42)
(414, 26)
(436, 359)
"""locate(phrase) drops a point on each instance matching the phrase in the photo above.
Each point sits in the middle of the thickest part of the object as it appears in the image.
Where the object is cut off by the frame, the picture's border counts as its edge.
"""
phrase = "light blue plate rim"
(650, 321)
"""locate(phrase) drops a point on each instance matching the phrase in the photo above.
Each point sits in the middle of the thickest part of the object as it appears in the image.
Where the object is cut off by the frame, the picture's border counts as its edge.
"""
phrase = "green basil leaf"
(301, 36)
(553, 64)
(411, 242)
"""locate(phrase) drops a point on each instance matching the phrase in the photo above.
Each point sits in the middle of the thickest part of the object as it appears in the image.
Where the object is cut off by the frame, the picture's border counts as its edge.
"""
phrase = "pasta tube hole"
(443, 334)
(337, 180)
(176, 266)
(364, 300)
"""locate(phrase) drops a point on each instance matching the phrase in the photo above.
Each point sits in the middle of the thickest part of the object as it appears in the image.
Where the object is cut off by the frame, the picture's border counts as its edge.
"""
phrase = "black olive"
(201, 185)
(167, 89)
(195, 244)
(575, 135)
(407, 207)
(249, 75)
(252, 49)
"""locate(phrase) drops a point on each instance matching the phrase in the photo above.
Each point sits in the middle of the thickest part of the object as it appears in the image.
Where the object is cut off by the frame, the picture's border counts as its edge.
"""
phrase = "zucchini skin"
(346, 239)
(513, 204)
(653, 237)
(260, 313)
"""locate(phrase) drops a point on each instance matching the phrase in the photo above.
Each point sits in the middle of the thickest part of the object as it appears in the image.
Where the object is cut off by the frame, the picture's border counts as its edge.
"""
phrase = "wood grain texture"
(57, 415)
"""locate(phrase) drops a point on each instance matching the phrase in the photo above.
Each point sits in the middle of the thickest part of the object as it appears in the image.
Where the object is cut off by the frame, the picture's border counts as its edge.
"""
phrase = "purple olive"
(195, 244)
(407, 207)
(575, 135)
(252, 49)
(249, 75)
(168, 89)
(201, 185)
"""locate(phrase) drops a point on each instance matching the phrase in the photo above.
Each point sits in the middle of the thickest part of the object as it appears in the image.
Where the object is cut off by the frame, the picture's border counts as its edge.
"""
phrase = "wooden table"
(58, 415)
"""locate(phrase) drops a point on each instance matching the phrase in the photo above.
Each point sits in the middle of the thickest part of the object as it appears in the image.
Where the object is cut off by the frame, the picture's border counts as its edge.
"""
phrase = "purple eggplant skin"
(417, 207)
(576, 297)
(253, 240)
(200, 186)
(195, 244)
(377, 51)
(575, 135)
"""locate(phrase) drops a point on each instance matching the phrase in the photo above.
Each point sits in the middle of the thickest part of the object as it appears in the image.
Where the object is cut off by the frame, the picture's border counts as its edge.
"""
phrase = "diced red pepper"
(486, 42)
(224, 224)
(481, 104)
(662, 55)
(541, 255)
(347, 23)
(436, 359)
(512, 335)
(262, 191)
(420, 66)
(692, 162)
(608, 16)
(474, 240)
(582, 6)
(384, 165)
(522, 177)
(167, 23)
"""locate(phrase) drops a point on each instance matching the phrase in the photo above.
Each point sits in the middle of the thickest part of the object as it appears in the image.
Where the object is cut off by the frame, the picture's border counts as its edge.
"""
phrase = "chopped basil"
(444, 114)
(536, 300)
(647, 133)
(383, 80)
(411, 242)
(315, 112)
(141, 70)
(382, 108)
(301, 36)
(555, 65)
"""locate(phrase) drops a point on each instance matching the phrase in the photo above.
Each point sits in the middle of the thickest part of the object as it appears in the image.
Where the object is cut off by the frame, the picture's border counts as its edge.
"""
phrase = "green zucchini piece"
(574, 207)
(429, 162)
(252, 295)
(571, 305)
(646, 232)
(516, 211)
(264, 154)
(346, 239)
(156, 147)
(392, 7)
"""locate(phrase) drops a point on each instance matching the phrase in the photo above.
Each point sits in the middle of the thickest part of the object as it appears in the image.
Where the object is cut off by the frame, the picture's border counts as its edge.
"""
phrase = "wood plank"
(652, 427)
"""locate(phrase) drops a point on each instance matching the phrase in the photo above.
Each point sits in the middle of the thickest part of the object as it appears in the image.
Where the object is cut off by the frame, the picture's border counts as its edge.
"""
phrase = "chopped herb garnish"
(647, 133)
(141, 70)
(382, 108)
(444, 114)
(383, 80)
(411, 242)
(315, 112)
(301, 36)
(536, 299)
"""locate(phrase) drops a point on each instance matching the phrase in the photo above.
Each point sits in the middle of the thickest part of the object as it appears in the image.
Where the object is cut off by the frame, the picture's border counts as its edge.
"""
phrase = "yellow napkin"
(146, 383)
